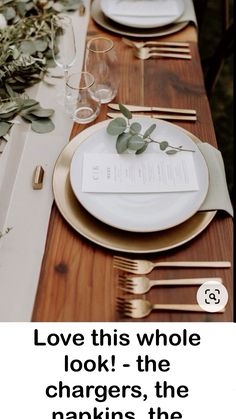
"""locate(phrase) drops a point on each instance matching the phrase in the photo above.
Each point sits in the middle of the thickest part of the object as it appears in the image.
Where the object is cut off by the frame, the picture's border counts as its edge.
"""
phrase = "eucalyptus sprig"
(28, 109)
(130, 137)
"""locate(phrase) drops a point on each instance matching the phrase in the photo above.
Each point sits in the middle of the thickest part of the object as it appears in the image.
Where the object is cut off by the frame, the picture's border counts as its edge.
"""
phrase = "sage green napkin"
(218, 195)
(188, 14)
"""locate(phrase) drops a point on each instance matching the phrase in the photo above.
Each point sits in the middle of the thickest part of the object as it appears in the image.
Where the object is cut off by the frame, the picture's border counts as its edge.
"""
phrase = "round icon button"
(212, 296)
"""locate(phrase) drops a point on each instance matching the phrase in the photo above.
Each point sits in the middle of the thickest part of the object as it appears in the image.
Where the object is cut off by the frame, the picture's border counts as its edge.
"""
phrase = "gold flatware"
(158, 43)
(143, 54)
(138, 266)
(142, 284)
(158, 116)
(137, 108)
(142, 308)
(166, 49)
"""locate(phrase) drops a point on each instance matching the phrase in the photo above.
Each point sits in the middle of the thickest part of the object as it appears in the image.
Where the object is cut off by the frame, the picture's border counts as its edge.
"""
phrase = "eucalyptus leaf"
(164, 145)
(20, 79)
(135, 127)
(4, 128)
(15, 53)
(171, 152)
(125, 111)
(141, 150)
(122, 142)
(58, 7)
(43, 125)
(149, 131)
(116, 126)
(9, 90)
(9, 13)
(40, 45)
(29, 5)
(42, 113)
(9, 115)
(28, 47)
(28, 103)
(135, 142)
(7, 107)
(28, 117)
(20, 7)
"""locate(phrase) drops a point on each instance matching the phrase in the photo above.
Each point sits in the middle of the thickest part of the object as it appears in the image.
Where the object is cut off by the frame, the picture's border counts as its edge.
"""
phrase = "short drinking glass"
(101, 61)
(79, 103)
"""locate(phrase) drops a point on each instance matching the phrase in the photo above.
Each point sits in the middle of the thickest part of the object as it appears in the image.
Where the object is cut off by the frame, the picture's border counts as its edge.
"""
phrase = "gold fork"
(142, 308)
(144, 54)
(158, 43)
(143, 267)
(142, 284)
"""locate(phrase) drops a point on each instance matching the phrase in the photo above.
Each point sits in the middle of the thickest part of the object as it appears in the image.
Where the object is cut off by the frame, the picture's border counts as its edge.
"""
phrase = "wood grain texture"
(77, 281)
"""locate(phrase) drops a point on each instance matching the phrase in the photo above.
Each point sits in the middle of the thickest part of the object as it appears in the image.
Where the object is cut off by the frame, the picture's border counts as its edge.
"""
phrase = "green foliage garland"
(25, 55)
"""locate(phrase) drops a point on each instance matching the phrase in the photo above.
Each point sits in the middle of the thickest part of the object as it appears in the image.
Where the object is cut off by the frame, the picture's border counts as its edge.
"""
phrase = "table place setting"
(129, 182)
(116, 188)
(143, 18)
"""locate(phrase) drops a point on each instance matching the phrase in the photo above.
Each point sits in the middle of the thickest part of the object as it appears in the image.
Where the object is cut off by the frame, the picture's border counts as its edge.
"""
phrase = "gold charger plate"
(99, 17)
(110, 237)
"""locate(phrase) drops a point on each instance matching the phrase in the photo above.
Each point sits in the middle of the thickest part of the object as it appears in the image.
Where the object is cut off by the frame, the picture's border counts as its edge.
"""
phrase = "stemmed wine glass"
(63, 43)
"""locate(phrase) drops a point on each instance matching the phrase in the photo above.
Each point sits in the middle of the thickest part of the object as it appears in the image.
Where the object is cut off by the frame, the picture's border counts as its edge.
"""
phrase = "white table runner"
(26, 210)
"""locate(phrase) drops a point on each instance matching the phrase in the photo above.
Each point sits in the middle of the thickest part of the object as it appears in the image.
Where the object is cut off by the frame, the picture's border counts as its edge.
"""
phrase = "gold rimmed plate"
(110, 237)
(99, 17)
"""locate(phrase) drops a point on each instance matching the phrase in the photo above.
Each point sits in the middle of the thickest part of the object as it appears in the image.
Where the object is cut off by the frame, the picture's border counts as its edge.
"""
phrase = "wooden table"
(77, 281)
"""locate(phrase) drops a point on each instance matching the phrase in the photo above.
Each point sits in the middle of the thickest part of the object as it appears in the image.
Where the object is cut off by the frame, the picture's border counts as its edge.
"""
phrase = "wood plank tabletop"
(78, 282)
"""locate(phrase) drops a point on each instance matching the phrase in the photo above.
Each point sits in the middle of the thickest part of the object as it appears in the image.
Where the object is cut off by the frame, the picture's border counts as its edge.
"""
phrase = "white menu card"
(128, 173)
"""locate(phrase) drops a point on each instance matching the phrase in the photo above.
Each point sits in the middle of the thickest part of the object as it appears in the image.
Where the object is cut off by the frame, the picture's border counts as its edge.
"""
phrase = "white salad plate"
(140, 212)
(143, 13)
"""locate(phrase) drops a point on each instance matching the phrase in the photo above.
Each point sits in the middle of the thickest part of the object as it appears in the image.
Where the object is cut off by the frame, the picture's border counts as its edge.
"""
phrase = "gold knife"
(158, 116)
(133, 108)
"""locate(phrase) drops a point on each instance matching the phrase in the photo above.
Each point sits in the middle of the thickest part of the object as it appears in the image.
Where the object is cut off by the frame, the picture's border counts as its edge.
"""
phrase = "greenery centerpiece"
(25, 56)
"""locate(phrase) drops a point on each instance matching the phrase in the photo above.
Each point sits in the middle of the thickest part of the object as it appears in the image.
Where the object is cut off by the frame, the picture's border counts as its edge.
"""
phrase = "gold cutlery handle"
(168, 49)
(173, 110)
(181, 307)
(157, 116)
(170, 44)
(198, 264)
(186, 281)
(174, 117)
(167, 55)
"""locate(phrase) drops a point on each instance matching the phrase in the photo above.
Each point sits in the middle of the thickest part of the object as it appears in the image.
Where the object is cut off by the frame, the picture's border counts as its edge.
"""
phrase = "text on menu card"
(127, 173)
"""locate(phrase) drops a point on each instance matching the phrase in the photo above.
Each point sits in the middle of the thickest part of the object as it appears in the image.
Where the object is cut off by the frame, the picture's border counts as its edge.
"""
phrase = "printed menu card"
(128, 173)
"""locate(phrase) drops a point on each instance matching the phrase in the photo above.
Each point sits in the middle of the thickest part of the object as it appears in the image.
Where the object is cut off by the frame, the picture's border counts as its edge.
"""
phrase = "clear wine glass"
(63, 43)
(101, 61)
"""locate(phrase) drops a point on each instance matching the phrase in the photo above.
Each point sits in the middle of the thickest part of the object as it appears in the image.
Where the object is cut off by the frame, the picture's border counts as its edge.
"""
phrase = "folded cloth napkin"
(218, 195)
(188, 14)
(141, 8)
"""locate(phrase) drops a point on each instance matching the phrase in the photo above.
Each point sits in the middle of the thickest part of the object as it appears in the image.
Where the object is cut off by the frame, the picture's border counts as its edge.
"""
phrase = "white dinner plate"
(143, 13)
(108, 24)
(139, 212)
